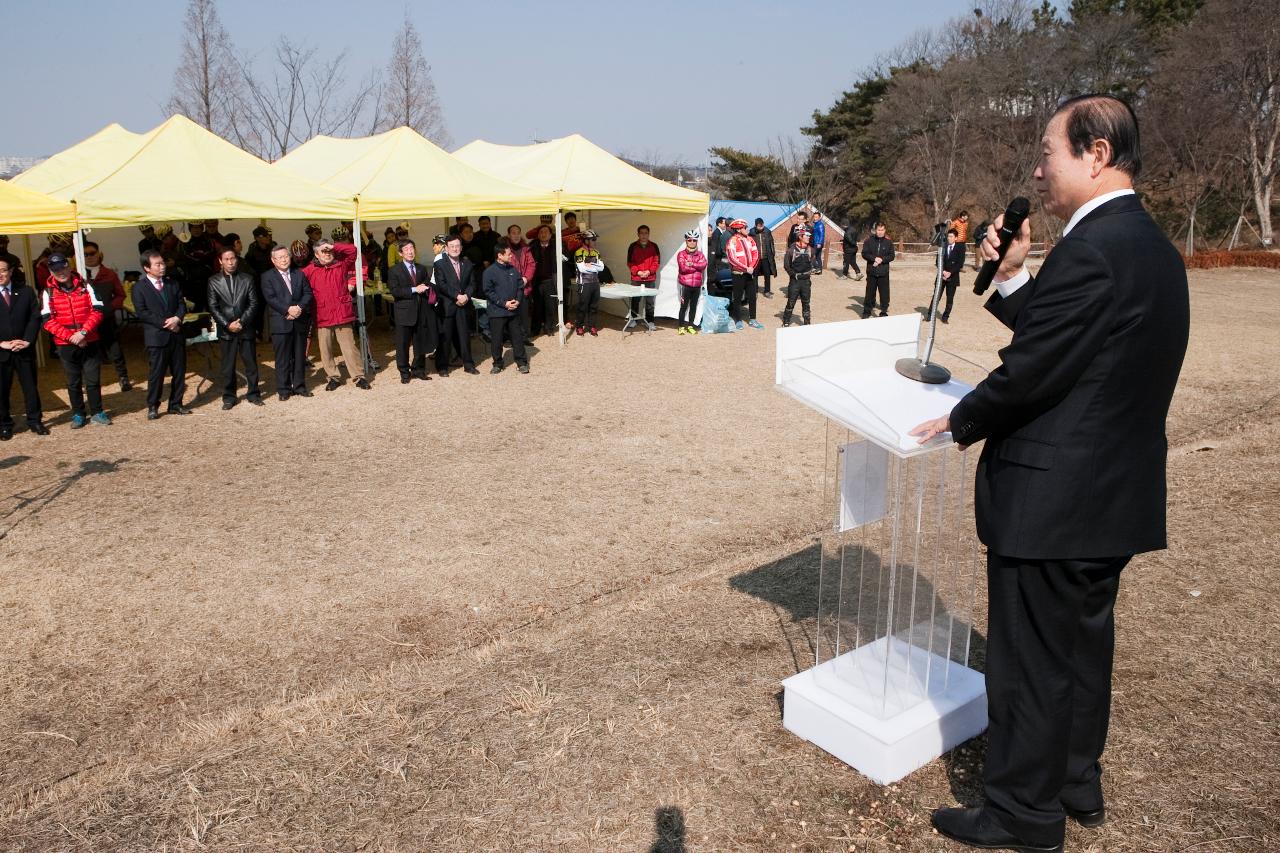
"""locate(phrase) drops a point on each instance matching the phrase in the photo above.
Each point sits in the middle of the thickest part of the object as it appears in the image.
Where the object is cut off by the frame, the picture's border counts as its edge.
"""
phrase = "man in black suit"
(952, 264)
(157, 302)
(288, 294)
(414, 313)
(19, 326)
(504, 290)
(454, 279)
(1071, 482)
(233, 302)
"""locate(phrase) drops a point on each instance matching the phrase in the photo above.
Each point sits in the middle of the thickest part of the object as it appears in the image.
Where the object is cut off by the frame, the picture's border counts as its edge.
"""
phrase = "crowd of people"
(475, 282)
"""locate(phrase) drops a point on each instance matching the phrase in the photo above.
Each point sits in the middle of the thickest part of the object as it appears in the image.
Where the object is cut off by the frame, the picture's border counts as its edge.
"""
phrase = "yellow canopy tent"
(401, 174)
(23, 211)
(66, 172)
(586, 177)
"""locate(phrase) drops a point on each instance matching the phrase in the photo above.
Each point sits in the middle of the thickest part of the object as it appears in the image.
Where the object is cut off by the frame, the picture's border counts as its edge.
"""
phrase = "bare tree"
(410, 98)
(303, 95)
(206, 84)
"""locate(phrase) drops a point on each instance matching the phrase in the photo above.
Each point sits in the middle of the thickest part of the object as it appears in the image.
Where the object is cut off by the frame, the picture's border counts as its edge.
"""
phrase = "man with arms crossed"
(1071, 482)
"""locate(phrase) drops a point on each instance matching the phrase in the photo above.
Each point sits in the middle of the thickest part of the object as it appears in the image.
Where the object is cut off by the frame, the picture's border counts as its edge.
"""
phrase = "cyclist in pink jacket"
(692, 264)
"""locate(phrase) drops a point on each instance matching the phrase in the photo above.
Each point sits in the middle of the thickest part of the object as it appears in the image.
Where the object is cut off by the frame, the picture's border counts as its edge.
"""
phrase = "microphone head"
(1018, 210)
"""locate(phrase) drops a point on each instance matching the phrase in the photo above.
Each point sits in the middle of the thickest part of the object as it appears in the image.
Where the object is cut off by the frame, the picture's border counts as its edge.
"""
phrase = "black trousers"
(1050, 640)
(24, 367)
(455, 335)
(744, 289)
(949, 290)
(768, 281)
(170, 360)
(689, 297)
(422, 338)
(109, 341)
(647, 300)
(802, 289)
(244, 345)
(880, 285)
(513, 326)
(588, 301)
(291, 360)
(83, 366)
(850, 260)
(535, 309)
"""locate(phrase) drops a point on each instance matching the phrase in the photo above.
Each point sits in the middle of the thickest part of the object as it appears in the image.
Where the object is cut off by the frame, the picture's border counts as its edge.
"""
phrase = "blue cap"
(57, 262)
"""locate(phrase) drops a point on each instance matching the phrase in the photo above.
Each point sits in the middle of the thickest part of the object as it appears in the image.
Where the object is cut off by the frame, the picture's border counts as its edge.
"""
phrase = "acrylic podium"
(891, 688)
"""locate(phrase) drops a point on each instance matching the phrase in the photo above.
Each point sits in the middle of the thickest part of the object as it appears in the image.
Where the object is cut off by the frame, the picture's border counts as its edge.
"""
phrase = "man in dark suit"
(233, 302)
(157, 302)
(952, 264)
(504, 290)
(454, 279)
(19, 326)
(288, 294)
(414, 313)
(1071, 482)
(878, 253)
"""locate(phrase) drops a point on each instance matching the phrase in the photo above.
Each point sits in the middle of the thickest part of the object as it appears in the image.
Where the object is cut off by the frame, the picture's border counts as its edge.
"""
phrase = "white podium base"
(885, 749)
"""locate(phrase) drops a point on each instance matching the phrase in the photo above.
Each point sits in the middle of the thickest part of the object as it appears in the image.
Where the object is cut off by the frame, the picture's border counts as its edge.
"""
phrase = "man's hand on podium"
(929, 429)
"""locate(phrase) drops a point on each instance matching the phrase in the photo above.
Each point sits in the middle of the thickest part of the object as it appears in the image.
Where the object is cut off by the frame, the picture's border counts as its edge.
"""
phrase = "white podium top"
(846, 372)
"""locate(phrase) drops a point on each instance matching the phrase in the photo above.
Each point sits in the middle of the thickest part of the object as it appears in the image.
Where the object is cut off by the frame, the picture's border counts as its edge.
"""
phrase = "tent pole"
(358, 239)
(560, 278)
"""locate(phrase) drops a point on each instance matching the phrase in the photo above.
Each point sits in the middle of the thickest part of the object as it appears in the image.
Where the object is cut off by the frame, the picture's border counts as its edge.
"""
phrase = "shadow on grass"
(28, 503)
(668, 831)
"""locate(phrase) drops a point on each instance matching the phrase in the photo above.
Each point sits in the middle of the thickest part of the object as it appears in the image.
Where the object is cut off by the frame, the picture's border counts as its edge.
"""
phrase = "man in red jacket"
(644, 261)
(71, 315)
(331, 275)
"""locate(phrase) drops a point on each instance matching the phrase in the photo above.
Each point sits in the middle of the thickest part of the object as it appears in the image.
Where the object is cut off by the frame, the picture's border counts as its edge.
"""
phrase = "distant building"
(10, 166)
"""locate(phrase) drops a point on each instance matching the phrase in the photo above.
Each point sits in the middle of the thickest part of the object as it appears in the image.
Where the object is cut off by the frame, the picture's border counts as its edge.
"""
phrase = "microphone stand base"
(923, 371)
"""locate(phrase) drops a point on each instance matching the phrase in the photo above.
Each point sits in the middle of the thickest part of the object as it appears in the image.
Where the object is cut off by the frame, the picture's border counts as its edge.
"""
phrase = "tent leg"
(560, 279)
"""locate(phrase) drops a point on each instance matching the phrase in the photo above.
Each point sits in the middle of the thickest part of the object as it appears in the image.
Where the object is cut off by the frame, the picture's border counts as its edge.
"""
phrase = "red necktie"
(6, 297)
(413, 274)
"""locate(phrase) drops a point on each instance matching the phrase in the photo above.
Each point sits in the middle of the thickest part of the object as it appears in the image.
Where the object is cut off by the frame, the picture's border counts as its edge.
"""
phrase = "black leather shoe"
(305, 392)
(6, 433)
(228, 404)
(283, 396)
(179, 410)
(40, 429)
(496, 368)
(256, 401)
(523, 368)
(332, 385)
(125, 384)
(153, 414)
(472, 370)
(405, 379)
(1090, 818)
(977, 828)
(362, 383)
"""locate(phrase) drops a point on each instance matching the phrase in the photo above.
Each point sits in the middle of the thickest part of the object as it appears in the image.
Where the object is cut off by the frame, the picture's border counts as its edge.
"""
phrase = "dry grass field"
(551, 612)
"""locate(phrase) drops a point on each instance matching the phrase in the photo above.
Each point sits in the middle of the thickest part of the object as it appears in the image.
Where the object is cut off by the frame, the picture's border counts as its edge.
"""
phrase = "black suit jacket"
(153, 307)
(448, 285)
(953, 262)
(279, 299)
(410, 308)
(20, 320)
(1074, 416)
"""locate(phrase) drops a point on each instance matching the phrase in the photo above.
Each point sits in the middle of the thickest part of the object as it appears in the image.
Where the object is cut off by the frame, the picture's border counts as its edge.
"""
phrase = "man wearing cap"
(71, 314)
(150, 240)
(454, 281)
(768, 255)
(157, 301)
(743, 256)
(233, 301)
(110, 292)
(258, 255)
(414, 313)
(19, 327)
(331, 274)
(288, 293)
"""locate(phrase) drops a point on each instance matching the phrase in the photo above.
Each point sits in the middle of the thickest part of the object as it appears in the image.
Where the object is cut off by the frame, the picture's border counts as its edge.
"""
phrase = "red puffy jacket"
(691, 266)
(335, 305)
(643, 259)
(70, 308)
(742, 253)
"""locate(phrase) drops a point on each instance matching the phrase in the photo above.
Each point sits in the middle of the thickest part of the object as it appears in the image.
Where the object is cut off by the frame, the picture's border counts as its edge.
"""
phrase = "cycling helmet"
(299, 250)
(693, 234)
(589, 235)
(737, 223)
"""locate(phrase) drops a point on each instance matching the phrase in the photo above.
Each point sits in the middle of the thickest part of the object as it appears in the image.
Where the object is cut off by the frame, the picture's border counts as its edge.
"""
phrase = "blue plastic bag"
(715, 315)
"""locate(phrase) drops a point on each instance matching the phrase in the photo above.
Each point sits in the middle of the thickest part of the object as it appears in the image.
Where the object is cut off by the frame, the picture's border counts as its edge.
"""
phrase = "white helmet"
(693, 234)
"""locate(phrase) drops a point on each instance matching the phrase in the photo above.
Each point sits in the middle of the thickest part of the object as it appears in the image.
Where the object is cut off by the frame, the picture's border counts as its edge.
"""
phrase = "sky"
(635, 78)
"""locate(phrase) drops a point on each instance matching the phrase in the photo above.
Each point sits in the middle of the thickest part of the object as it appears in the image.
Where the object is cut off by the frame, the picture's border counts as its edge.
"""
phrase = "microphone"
(1014, 215)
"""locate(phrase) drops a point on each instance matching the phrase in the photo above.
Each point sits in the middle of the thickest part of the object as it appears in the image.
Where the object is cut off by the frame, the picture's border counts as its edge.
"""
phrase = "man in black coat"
(849, 248)
(233, 302)
(952, 263)
(454, 277)
(158, 303)
(19, 327)
(768, 266)
(1071, 482)
(414, 312)
(878, 253)
(288, 294)
(504, 290)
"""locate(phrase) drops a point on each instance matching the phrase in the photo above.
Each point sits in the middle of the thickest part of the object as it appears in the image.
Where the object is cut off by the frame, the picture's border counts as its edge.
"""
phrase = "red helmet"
(737, 223)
